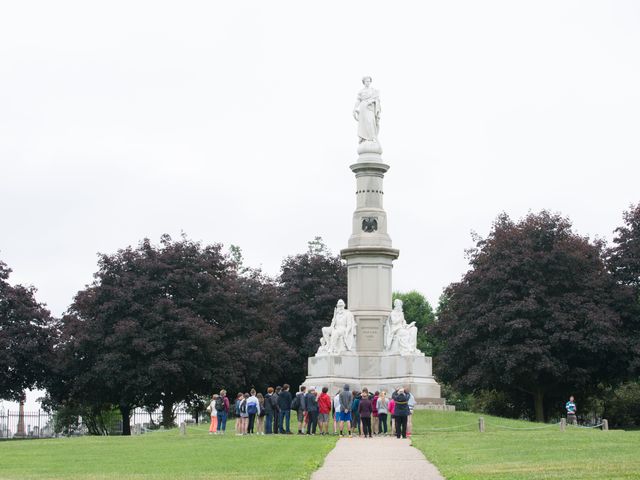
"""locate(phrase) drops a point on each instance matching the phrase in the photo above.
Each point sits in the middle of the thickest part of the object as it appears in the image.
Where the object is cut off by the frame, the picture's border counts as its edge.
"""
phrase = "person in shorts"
(324, 408)
(299, 405)
(344, 415)
(336, 408)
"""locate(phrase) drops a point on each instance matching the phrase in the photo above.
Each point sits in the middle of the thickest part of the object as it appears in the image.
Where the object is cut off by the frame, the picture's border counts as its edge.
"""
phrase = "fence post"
(481, 424)
(605, 424)
(563, 424)
(183, 428)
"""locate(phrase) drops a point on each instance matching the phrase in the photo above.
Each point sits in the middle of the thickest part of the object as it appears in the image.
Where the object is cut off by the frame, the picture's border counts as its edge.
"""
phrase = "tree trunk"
(167, 414)
(538, 399)
(125, 410)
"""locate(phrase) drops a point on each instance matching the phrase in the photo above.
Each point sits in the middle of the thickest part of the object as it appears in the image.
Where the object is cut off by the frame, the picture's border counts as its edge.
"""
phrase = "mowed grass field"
(534, 451)
(449, 440)
(165, 455)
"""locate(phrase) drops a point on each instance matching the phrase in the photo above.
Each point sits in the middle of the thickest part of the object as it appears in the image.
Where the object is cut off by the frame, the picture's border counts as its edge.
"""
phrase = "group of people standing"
(367, 413)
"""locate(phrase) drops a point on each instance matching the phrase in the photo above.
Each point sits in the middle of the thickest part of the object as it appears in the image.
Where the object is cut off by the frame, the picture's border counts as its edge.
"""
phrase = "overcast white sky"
(231, 121)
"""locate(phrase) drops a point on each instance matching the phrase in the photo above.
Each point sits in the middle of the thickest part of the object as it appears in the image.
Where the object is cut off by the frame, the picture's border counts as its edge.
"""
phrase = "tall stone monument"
(370, 344)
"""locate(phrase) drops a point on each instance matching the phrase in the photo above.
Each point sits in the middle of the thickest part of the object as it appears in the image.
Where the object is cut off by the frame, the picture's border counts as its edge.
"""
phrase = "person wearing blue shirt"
(570, 406)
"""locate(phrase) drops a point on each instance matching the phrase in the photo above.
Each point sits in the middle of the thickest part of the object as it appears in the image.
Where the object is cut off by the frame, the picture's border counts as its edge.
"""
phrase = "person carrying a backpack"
(222, 411)
(253, 409)
(299, 406)
(344, 414)
(311, 402)
(401, 412)
(244, 416)
(355, 415)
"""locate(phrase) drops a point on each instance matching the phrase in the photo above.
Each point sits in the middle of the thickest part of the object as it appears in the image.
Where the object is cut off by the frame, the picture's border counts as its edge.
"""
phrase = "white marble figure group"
(399, 337)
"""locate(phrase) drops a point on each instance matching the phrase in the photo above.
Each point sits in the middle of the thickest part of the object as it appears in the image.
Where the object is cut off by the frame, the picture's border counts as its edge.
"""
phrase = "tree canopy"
(623, 259)
(162, 324)
(310, 285)
(535, 314)
(26, 338)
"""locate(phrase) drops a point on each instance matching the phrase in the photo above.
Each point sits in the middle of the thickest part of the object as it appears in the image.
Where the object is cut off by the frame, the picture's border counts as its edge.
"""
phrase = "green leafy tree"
(145, 331)
(310, 285)
(164, 323)
(624, 256)
(623, 260)
(535, 314)
(27, 335)
(417, 309)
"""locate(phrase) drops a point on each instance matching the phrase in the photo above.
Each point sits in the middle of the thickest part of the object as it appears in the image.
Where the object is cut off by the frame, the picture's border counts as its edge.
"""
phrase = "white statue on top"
(367, 114)
(340, 336)
(400, 337)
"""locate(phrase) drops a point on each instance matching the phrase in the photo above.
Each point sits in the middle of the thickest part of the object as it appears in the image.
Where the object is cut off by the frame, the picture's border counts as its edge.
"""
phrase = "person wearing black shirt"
(284, 405)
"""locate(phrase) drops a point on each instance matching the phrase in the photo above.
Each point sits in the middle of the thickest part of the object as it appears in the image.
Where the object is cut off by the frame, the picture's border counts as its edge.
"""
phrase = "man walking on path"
(284, 405)
(344, 415)
(571, 411)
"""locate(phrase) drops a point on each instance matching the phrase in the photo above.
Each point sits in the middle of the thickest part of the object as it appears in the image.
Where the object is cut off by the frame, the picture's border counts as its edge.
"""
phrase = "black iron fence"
(40, 424)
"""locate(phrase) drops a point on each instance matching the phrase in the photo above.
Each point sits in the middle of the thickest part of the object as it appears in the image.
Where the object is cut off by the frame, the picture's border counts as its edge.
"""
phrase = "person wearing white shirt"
(213, 428)
(336, 409)
(253, 410)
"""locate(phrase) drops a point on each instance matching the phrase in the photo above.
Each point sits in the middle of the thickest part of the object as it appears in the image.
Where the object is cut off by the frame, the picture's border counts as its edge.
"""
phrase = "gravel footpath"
(378, 457)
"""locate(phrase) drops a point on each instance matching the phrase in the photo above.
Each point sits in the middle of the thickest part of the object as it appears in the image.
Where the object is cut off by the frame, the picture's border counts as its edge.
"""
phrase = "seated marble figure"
(340, 336)
(400, 337)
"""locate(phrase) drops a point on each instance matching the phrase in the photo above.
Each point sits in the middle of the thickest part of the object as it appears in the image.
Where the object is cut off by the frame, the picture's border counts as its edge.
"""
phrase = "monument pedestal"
(375, 372)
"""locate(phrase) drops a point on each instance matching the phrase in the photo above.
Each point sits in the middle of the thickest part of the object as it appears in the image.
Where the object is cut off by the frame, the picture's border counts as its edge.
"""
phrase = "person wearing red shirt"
(324, 409)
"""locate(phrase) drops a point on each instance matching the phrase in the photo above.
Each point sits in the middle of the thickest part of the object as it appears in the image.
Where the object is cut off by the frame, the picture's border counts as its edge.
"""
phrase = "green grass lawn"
(459, 453)
(165, 455)
(544, 453)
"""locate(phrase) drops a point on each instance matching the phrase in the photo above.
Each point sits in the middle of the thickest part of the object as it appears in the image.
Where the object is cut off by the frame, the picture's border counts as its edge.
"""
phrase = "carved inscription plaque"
(369, 337)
